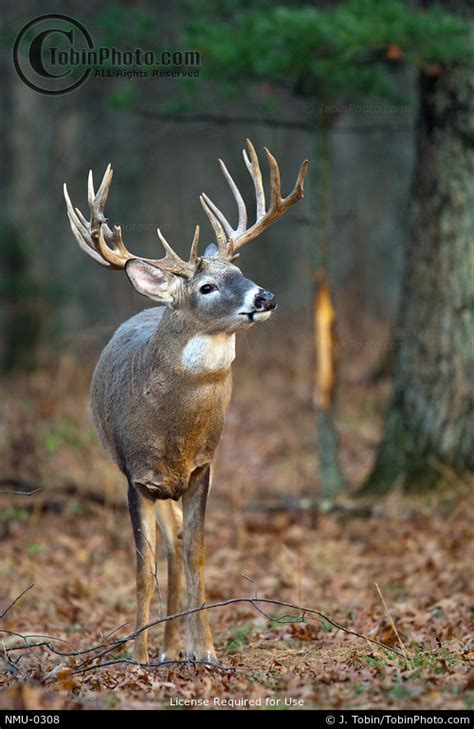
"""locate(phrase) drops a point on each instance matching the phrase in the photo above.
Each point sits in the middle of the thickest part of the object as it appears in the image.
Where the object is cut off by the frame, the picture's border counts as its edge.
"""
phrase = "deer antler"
(229, 239)
(106, 247)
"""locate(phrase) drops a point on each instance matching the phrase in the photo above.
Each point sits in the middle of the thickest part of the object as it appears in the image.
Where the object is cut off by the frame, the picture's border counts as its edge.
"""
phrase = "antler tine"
(81, 229)
(216, 214)
(278, 205)
(172, 262)
(242, 223)
(103, 191)
(109, 244)
(230, 240)
(242, 210)
(194, 247)
(298, 191)
(275, 181)
(107, 247)
(218, 220)
(253, 167)
(221, 238)
(118, 256)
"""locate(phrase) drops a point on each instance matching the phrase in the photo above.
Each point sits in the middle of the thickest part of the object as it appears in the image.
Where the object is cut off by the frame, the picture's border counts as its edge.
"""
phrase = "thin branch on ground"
(115, 630)
(24, 637)
(101, 649)
(394, 627)
(14, 602)
(11, 667)
(21, 493)
(157, 664)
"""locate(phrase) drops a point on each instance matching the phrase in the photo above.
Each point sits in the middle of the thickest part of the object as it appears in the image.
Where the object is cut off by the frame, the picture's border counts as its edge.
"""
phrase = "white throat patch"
(208, 353)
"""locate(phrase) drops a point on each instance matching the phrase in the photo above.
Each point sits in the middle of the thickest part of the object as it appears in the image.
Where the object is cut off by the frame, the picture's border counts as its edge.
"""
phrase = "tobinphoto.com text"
(156, 65)
(54, 54)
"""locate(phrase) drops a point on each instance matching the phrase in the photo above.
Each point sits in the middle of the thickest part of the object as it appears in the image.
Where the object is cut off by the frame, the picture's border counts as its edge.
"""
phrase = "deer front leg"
(201, 646)
(142, 514)
(170, 518)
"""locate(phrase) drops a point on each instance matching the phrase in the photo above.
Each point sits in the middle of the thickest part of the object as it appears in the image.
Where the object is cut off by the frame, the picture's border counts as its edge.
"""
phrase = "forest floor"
(72, 540)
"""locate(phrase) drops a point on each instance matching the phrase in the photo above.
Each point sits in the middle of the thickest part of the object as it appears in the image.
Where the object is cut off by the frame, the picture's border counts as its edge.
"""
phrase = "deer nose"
(265, 300)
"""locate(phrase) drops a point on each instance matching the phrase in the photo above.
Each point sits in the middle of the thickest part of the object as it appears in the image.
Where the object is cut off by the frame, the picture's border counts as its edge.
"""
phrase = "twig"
(159, 664)
(392, 623)
(266, 601)
(19, 483)
(35, 635)
(11, 666)
(115, 630)
(254, 601)
(15, 601)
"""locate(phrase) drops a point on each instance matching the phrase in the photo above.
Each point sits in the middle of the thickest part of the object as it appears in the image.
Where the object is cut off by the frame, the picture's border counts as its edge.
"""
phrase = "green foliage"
(422, 664)
(76, 508)
(120, 22)
(13, 513)
(239, 637)
(37, 549)
(426, 661)
(65, 433)
(74, 628)
(346, 50)
(122, 98)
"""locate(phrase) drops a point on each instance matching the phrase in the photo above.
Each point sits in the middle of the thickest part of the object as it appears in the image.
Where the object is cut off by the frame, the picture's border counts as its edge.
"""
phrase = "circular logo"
(51, 54)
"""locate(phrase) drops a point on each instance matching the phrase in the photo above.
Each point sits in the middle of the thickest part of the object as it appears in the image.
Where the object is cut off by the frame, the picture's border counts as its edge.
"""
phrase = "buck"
(162, 386)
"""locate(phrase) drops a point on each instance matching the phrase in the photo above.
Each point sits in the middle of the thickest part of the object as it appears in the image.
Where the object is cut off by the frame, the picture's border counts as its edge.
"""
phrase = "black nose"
(265, 300)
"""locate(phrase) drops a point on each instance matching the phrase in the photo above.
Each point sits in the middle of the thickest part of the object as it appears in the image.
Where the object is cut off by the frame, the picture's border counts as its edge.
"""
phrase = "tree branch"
(15, 601)
(101, 649)
(19, 484)
(223, 120)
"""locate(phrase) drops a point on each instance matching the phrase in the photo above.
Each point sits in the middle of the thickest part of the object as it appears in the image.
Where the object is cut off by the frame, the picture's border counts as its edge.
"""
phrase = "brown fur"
(161, 424)
(162, 385)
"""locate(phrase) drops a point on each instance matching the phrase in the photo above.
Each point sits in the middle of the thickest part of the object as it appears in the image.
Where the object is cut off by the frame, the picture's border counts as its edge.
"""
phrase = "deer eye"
(208, 288)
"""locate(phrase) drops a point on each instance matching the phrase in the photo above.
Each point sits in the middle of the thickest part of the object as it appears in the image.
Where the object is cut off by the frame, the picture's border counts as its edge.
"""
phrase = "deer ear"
(151, 281)
(211, 251)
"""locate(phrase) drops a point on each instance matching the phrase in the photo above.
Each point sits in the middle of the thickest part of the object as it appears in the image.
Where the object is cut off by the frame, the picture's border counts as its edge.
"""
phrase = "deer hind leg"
(201, 646)
(169, 516)
(142, 513)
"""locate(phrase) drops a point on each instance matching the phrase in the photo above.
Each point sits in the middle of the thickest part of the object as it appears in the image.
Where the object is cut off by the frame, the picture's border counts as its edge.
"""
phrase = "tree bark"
(324, 320)
(430, 421)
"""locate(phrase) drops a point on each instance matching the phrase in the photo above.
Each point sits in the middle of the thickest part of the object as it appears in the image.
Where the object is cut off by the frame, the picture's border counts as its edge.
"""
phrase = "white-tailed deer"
(162, 385)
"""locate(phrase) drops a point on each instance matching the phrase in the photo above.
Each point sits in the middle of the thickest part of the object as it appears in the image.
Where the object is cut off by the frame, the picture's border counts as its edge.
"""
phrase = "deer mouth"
(248, 314)
(258, 314)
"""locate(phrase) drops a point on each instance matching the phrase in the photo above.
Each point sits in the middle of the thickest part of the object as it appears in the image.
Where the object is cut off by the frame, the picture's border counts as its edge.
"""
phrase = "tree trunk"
(430, 421)
(324, 374)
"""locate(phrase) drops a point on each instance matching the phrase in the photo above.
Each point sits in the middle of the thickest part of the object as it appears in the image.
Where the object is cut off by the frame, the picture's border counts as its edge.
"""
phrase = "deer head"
(210, 287)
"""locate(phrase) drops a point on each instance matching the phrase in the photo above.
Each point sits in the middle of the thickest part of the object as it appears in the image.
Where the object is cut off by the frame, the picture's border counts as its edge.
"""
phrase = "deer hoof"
(172, 654)
(202, 656)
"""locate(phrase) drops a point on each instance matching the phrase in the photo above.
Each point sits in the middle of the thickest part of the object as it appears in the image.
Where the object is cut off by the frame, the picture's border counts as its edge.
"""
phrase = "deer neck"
(205, 354)
(185, 348)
